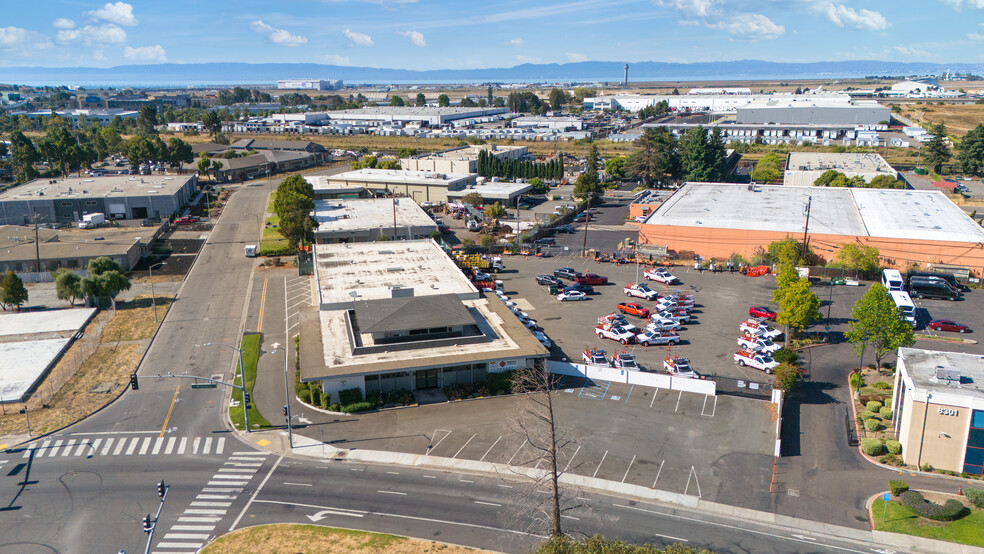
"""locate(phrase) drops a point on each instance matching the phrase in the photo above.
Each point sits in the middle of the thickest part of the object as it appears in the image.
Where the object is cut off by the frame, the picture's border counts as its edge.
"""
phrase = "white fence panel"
(655, 380)
(564, 368)
(606, 373)
(699, 386)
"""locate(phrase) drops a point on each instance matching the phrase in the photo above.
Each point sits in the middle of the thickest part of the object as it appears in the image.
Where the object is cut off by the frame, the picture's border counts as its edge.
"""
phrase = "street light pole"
(153, 295)
(290, 434)
(242, 375)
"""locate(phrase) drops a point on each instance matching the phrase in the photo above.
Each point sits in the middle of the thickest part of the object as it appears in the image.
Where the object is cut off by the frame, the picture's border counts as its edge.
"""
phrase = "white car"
(761, 362)
(572, 295)
(665, 305)
(675, 316)
(661, 276)
(759, 328)
(651, 337)
(620, 321)
(543, 339)
(758, 344)
(661, 324)
(641, 218)
(619, 334)
(640, 291)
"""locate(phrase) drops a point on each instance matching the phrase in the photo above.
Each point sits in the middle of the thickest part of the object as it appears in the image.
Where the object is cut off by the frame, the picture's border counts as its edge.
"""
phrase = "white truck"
(595, 357)
(761, 362)
(652, 337)
(759, 328)
(250, 250)
(679, 367)
(92, 220)
(661, 276)
(640, 291)
(757, 344)
(615, 333)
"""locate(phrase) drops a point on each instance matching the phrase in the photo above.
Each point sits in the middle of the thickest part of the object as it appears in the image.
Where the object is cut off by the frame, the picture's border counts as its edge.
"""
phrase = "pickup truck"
(651, 338)
(661, 276)
(617, 320)
(595, 357)
(759, 328)
(657, 323)
(757, 344)
(761, 362)
(591, 279)
(615, 333)
(679, 367)
(640, 291)
(634, 308)
(625, 360)
(673, 306)
(676, 315)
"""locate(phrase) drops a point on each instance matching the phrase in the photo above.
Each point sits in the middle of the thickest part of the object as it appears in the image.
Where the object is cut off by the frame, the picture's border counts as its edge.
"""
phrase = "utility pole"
(37, 244)
(806, 228)
(587, 217)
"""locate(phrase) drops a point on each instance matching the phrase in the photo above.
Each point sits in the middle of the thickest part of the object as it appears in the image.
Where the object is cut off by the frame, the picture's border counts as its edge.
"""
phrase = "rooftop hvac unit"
(947, 373)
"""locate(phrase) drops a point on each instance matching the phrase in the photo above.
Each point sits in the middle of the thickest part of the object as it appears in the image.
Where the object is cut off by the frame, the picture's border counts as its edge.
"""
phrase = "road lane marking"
(145, 446)
(185, 536)
(488, 503)
(506, 486)
(463, 446)
(429, 477)
(238, 477)
(678, 402)
(220, 446)
(174, 399)
(713, 408)
(599, 465)
(571, 517)
(95, 445)
(298, 484)
(107, 446)
(245, 471)
(54, 449)
(482, 459)
(222, 489)
(182, 445)
(632, 388)
(207, 449)
(655, 392)
(209, 504)
(465, 481)
(255, 493)
(628, 468)
(393, 472)
(195, 444)
(431, 447)
(658, 472)
(205, 512)
(116, 433)
(133, 446)
(227, 483)
(68, 448)
(170, 445)
(259, 323)
(194, 545)
(398, 493)
(216, 497)
(192, 527)
(196, 519)
(252, 453)
(120, 445)
(693, 471)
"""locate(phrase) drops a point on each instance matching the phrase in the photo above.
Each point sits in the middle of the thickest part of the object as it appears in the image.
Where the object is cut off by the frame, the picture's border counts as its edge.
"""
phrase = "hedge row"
(358, 407)
(350, 396)
(950, 511)
(885, 413)
(270, 251)
(976, 497)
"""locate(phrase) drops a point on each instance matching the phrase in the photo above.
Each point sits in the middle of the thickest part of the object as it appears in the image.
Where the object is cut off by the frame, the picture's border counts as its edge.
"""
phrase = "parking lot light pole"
(153, 296)
(242, 375)
(290, 434)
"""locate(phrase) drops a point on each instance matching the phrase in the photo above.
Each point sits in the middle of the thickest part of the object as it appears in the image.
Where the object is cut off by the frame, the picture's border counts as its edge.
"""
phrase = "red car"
(187, 220)
(591, 279)
(947, 325)
(762, 311)
(634, 308)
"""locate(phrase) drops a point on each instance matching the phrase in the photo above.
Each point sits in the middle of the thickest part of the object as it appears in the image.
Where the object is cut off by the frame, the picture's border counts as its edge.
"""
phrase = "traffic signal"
(285, 411)
(246, 399)
(161, 489)
(133, 382)
(147, 524)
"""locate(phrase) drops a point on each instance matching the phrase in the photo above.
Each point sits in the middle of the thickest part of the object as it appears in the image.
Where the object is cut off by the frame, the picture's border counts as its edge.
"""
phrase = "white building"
(309, 84)
(804, 168)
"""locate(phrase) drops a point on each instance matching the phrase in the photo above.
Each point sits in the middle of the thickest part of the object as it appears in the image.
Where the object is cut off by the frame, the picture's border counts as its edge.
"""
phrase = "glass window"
(972, 469)
(976, 438)
(975, 456)
(977, 419)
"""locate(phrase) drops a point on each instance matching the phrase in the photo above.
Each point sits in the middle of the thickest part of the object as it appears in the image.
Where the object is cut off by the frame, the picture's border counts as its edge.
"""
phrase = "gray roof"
(416, 312)
(257, 144)
(209, 148)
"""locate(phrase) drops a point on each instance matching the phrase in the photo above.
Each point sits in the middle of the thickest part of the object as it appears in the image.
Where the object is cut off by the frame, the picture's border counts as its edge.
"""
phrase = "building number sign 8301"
(947, 411)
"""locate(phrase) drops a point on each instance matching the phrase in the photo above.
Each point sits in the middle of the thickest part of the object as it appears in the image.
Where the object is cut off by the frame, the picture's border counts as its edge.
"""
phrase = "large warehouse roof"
(884, 213)
(88, 187)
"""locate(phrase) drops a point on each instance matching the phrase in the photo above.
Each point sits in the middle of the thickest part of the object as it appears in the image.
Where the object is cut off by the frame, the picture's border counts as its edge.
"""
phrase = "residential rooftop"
(87, 187)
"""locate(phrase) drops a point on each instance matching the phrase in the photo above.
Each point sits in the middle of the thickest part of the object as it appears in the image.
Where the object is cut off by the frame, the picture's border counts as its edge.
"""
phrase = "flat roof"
(47, 321)
(495, 190)
(398, 176)
(887, 213)
(468, 152)
(920, 366)
(845, 163)
(368, 213)
(88, 187)
(409, 111)
(352, 272)
(17, 241)
(507, 338)
(25, 363)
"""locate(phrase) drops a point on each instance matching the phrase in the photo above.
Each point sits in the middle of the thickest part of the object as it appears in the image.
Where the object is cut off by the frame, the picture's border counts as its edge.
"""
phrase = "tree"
(878, 323)
(443, 101)
(788, 251)
(768, 169)
(694, 156)
(472, 198)
(886, 182)
(467, 102)
(785, 277)
(785, 375)
(68, 285)
(970, 153)
(615, 166)
(396, 101)
(558, 99)
(676, 92)
(60, 148)
(798, 307)
(494, 212)
(212, 123)
(421, 100)
(716, 155)
(294, 203)
(106, 279)
(147, 120)
(13, 293)
(858, 257)
(178, 152)
(826, 177)
(539, 187)
(657, 159)
(488, 97)
(204, 164)
(23, 156)
(935, 152)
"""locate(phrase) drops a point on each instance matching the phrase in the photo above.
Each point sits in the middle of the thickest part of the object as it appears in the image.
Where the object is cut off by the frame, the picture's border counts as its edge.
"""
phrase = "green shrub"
(350, 396)
(357, 407)
(855, 381)
(325, 400)
(335, 407)
(898, 487)
(872, 424)
(500, 381)
(894, 447)
(868, 414)
(277, 251)
(950, 511)
(299, 386)
(315, 396)
(874, 406)
(785, 355)
(885, 413)
(976, 497)
(884, 385)
(304, 395)
(872, 447)
(926, 467)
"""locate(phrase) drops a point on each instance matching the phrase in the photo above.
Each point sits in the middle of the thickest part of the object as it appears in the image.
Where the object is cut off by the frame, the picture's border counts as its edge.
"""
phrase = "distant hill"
(244, 73)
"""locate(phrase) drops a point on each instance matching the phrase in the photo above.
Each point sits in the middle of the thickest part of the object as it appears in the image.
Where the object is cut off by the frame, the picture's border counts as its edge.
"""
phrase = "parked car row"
(668, 314)
(755, 345)
(524, 318)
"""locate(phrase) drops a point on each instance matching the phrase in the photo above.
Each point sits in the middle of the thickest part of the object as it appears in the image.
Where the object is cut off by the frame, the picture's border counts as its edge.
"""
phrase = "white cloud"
(515, 42)
(975, 36)
(153, 53)
(908, 52)
(93, 34)
(749, 26)
(841, 15)
(359, 39)
(119, 13)
(526, 59)
(958, 4)
(63, 23)
(335, 59)
(16, 40)
(575, 57)
(692, 8)
(415, 37)
(277, 36)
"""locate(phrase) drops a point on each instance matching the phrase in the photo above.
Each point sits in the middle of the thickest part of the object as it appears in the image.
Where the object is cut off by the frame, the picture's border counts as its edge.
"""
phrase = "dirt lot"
(323, 540)
(959, 118)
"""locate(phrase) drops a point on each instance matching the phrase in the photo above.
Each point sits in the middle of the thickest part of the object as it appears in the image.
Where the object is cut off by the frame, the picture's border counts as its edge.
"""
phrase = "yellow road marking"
(259, 324)
(177, 389)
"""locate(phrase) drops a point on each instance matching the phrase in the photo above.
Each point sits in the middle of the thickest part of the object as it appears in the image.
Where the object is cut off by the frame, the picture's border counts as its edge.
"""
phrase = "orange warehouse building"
(715, 220)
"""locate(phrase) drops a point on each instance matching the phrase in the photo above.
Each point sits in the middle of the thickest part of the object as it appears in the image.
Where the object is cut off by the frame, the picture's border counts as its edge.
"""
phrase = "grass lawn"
(966, 530)
(251, 354)
(272, 239)
(314, 539)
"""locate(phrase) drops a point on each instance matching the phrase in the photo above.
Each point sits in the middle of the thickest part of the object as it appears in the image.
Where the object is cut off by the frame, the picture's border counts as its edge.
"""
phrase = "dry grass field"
(314, 539)
(958, 118)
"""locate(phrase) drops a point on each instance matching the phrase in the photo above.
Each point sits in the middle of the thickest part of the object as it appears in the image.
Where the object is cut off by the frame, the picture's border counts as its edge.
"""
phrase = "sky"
(458, 34)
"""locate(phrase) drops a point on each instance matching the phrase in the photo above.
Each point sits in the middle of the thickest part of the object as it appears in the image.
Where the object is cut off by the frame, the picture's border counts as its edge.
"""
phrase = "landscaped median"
(937, 516)
(250, 346)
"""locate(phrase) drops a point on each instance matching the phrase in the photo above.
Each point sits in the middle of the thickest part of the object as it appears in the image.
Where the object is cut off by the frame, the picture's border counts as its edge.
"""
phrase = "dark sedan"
(568, 273)
(547, 280)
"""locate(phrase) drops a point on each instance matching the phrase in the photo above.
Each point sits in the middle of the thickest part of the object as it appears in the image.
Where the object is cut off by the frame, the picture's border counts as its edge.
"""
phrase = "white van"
(904, 303)
(892, 279)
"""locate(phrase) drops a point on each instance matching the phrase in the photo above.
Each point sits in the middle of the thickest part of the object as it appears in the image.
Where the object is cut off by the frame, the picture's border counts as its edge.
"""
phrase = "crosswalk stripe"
(200, 519)
(119, 447)
(208, 446)
(178, 545)
(95, 446)
(237, 483)
(83, 446)
(250, 453)
(243, 470)
(220, 445)
(133, 446)
(186, 536)
(145, 446)
(182, 445)
(54, 449)
(33, 447)
(211, 504)
(157, 446)
(216, 497)
(109, 444)
(222, 489)
(194, 445)
(192, 527)
(205, 512)
(170, 445)
(236, 477)
(68, 448)
(242, 459)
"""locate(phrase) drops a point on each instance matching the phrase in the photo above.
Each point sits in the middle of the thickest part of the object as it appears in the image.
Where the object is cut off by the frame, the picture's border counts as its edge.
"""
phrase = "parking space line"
(653, 401)
(431, 447)
(632, 388)
(463, 446)
(678, 402)
(517, 451)
(693, 472)
(628, 468)
(572, 458)
(713, 407)
(595, 474)
(658, 472)
(482, 459)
